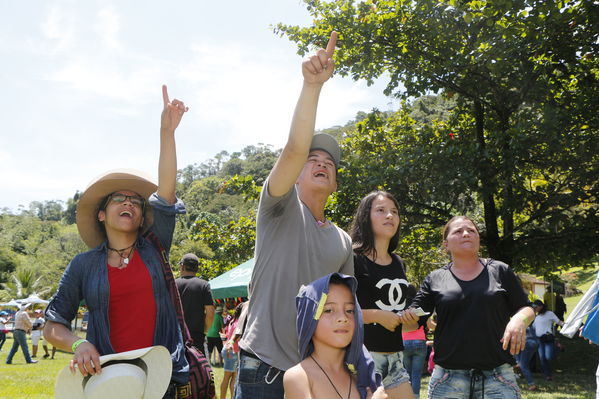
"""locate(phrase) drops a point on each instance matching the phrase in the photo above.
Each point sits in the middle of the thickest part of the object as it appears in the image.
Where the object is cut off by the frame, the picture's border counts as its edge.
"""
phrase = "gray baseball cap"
(326, 142)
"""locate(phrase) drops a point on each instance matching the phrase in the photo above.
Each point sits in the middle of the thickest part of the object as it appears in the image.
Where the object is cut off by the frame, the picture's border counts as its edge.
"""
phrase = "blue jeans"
(525, 357)
(499, 383)
(414, 357)
(390, 367)
(20, 339)
(546, 353)
(256, 379)
(2, 339)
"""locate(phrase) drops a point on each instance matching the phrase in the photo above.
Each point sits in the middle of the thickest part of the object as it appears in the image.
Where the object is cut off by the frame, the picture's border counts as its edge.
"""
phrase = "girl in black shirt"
(382, 288)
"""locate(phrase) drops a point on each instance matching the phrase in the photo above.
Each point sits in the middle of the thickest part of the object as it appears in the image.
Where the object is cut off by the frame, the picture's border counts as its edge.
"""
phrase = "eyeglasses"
(136, 200)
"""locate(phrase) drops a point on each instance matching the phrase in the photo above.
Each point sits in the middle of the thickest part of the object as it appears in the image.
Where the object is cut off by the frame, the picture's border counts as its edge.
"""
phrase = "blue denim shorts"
(390, 367)
(230, 360)
(499, 383)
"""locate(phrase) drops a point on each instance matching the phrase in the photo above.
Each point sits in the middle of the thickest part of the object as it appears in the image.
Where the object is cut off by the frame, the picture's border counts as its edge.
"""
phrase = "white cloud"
(108, 27)
(57, 30)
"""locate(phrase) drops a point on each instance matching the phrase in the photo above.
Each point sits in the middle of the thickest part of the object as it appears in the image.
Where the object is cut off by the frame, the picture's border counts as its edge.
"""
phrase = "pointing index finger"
(331, 44)
(165, 95)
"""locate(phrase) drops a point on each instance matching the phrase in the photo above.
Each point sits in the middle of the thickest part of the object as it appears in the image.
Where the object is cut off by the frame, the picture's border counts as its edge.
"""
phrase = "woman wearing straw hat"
(121, 278)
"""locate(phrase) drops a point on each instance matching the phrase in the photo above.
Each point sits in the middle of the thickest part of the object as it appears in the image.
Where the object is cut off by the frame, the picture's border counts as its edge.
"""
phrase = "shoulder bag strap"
(170, 284)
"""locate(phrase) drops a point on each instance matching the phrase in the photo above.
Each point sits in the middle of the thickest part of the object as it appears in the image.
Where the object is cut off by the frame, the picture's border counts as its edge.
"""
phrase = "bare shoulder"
(297, 383)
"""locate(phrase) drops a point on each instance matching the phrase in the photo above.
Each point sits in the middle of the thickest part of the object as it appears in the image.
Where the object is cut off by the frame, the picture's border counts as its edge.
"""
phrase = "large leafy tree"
(520, 144)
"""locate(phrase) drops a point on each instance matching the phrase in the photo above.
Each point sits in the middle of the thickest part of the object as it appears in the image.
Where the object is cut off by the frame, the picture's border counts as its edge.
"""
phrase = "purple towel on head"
(357, 359)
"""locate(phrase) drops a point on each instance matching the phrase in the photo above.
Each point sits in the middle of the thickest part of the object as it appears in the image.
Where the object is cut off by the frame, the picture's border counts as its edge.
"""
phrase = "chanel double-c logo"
(397, 301)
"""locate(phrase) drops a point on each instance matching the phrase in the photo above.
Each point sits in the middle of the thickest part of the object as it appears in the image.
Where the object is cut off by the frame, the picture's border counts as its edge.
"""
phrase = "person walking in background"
(523, 358)
(196, 298)
(22, 327)
(560, 306)
(230, 354)
(3, 330)
(415, 350)
(382, 288)
(121, 277)
(295, 243)
(482, 316)
(214, 341)
(36, 334)
(543, 326)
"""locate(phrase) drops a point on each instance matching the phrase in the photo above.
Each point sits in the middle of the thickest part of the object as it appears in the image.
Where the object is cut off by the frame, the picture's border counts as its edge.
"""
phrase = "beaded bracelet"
(77, 343)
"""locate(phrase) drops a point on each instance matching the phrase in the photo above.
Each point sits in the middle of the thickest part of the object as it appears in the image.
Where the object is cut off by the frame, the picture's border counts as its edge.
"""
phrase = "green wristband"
(524, 318)
(77, 343)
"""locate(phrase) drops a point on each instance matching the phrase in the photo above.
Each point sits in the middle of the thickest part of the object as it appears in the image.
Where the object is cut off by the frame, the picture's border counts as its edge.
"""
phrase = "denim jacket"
(86, 278)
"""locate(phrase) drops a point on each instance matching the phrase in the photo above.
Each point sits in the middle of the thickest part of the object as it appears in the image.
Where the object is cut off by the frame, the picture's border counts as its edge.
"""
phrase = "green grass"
(22, 381)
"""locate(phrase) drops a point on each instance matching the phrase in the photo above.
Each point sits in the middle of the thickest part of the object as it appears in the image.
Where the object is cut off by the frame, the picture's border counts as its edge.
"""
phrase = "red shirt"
(131, 308)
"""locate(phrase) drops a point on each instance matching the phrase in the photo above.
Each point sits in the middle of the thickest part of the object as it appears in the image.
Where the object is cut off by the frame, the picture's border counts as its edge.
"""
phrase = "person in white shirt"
(19, 333)
(543, 326)
(36, 334)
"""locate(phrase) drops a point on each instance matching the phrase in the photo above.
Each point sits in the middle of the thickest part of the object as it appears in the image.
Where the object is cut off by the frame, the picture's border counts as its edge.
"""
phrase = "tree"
(521, 139)
(7, 263)
(24, 282)
(70, 214)
(47, 210)
(231, 243)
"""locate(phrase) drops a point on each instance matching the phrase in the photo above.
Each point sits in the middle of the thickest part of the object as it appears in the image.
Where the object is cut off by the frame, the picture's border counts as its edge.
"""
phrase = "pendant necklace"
(328, 378)
(124, 259)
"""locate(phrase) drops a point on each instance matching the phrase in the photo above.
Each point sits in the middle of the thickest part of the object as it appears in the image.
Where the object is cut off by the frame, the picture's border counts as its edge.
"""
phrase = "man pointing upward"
(295, 244)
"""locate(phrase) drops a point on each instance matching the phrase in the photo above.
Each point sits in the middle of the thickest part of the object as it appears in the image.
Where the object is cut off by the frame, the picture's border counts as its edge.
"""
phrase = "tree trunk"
(507, 211)
(487, 183)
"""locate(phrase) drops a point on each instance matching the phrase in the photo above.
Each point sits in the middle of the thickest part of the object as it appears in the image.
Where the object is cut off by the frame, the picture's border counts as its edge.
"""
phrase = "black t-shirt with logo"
(381, 287)
(471, 315)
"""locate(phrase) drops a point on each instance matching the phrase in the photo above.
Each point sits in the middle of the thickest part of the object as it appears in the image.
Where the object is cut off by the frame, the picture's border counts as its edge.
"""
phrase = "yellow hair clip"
(323, 300)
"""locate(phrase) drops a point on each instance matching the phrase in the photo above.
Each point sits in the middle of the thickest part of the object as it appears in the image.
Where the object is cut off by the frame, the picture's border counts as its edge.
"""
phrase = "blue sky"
(81, 86)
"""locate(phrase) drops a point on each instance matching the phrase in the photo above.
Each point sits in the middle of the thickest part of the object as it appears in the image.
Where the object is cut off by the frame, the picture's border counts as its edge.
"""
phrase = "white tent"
(13, 302)
(34, 298)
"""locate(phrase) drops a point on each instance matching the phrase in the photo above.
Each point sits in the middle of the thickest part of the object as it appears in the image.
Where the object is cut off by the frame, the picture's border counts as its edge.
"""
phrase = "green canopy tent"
(234, 283)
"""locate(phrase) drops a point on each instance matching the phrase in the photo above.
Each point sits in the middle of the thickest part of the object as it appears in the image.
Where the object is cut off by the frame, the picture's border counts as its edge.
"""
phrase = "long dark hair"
(361, 230)
(540, 303)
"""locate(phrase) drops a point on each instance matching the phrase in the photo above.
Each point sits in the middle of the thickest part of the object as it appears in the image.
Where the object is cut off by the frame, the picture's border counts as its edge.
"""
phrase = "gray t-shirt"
(291, 250)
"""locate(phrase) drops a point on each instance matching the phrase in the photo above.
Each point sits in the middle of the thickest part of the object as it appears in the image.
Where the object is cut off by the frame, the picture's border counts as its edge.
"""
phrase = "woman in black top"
(382, 288)
(482, 316)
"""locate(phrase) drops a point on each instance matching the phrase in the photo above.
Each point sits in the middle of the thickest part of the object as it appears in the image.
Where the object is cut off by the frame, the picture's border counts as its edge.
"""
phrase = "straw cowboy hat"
(141, 373)
(103, 185)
